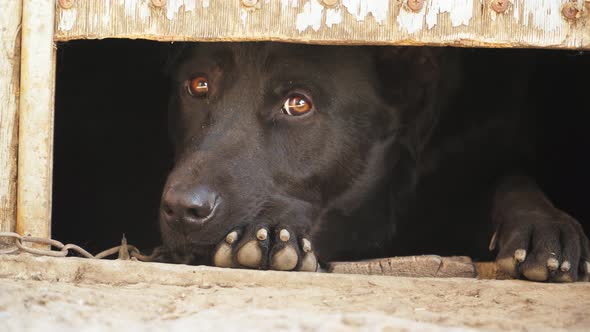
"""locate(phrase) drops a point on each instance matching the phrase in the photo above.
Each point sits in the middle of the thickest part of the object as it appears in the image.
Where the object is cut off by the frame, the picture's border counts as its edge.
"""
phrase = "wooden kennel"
(29, 30)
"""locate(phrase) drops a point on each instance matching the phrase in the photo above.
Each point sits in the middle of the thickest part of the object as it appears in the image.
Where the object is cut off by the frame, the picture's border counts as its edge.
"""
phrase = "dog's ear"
(418, 83)
(409, 74)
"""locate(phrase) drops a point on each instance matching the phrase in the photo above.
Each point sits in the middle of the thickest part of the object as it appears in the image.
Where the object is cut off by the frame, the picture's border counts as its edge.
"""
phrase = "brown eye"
(297, 105)
(198, 86)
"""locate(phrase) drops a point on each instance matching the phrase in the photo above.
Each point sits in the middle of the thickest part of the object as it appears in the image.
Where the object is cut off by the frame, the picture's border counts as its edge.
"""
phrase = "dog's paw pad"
(310, 263)
(509, 264)
(223, 256)
(543, 246)
(250, 255)
(254, 247)
(285, 259)
(536, 273)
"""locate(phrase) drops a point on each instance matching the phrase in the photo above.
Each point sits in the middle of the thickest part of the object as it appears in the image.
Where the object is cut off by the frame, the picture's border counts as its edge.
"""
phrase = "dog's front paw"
(542, 245)
(263, 247)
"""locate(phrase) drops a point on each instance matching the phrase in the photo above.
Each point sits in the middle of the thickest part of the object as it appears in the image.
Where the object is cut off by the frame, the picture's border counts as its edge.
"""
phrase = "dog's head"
(264, 131)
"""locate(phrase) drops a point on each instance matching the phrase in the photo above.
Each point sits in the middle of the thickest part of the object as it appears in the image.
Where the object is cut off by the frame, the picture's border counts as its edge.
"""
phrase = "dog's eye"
(198, 86)
(297, 105)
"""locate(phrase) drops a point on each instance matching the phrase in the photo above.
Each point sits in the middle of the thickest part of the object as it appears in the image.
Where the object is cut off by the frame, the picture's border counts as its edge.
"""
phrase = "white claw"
(565, 266)
(552, 264)
(284, 235)
(493, 241)
(262, 234)
(231, 237)
(520, 255)
(306, 245)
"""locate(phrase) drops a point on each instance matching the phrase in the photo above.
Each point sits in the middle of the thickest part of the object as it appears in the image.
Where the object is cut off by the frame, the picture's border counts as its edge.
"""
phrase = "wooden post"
(35, 148)
(10, 17)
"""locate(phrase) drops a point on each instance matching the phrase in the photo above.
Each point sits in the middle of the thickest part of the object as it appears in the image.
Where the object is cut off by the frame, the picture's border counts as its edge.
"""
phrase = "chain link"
(124, 251)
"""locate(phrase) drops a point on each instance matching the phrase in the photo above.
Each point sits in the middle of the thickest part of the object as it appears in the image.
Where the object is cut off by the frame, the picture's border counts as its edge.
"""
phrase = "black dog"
(362, 151)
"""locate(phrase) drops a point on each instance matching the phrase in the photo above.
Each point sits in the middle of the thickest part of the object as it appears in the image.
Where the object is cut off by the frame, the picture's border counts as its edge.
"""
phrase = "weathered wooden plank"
(524, 23)
(121, 272)
(10, 17)
(35, 153)
(411, 266)
(421, 266)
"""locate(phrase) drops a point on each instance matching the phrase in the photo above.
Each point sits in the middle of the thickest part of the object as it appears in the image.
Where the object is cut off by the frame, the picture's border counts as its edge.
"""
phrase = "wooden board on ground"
(126, 271)
(117, 271)
(421, 266)
(410, 266)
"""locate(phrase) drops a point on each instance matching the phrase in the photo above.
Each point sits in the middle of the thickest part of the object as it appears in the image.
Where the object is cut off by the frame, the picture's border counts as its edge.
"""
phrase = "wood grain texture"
(526, 23)
(10, 17)
(35, 146)
(122, 272)
(411, 266)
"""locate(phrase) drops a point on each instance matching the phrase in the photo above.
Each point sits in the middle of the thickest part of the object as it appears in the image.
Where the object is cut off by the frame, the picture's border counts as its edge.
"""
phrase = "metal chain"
(125, 251)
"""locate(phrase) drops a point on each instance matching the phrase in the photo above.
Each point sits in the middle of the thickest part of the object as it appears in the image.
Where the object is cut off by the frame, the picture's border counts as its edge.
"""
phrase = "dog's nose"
(191, 206)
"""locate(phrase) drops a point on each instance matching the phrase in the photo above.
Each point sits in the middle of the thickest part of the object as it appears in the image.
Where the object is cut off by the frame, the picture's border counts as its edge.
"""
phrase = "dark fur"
(403, 154)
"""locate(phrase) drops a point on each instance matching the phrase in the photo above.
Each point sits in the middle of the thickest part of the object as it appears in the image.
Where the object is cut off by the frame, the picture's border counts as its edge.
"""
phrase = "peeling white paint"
(244, 17)
(361, 8)
(190, 5)
(540, 19)
(144, 10)
(130, 6)
(311, 16)
(289, 3)
(333, 17)
(67, 18)
(542, 14)
(515, 12)
(106, 18)
(461, 11)
(410, 21)
(173, 7)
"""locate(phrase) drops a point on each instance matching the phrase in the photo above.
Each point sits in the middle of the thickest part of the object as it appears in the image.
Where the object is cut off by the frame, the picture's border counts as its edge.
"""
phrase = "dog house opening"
(112, 152)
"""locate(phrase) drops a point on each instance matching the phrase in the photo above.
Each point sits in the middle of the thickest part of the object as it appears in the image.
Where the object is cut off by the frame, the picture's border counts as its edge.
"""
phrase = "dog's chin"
(182, 250)
(199, 241)
(179, 240)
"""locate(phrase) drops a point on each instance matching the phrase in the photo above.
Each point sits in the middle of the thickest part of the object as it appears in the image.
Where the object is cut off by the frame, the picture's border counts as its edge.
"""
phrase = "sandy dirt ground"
(48, 294)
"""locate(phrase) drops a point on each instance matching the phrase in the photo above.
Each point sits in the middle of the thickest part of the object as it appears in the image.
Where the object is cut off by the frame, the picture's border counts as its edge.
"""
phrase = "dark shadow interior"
(112, 152)
(111, 146)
